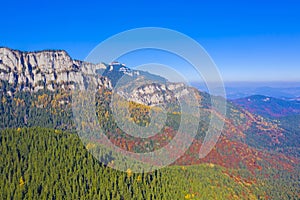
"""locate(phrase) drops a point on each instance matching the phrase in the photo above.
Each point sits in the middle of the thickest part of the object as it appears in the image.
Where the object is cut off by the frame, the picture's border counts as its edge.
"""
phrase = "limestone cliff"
(55, 69)
(50, 69)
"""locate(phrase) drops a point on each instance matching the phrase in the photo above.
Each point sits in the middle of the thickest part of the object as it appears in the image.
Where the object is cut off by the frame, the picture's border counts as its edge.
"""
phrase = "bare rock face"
(50, 69)
(157, 93)
(55, 69)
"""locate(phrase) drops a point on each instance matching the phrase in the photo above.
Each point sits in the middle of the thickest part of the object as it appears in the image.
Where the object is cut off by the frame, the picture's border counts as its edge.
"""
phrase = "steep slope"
(283, 113)
(50, 164)
(247, 141)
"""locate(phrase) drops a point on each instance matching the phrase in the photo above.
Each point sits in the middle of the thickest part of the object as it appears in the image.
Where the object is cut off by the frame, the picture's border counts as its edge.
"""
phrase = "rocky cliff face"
(55, 69)
(158, 93)
(32, 71)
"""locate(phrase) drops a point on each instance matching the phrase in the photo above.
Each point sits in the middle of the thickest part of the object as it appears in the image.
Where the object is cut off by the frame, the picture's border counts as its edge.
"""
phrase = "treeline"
(44, 108)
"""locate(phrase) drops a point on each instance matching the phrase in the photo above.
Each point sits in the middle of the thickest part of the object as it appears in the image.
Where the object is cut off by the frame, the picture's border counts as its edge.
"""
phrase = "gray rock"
(46, 70)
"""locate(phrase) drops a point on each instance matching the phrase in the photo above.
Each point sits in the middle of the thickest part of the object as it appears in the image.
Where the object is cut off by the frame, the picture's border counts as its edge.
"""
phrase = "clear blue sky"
(248, 40)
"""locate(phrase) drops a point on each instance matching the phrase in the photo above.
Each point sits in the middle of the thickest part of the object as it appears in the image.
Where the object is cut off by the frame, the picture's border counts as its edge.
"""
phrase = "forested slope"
(42, 163)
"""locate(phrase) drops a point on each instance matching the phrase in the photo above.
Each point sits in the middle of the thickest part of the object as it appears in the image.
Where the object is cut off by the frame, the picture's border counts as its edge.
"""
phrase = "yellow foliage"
(106, 115)
(90, 146)
(4, 100)
(211, 165)
(189, 196)
(247, 184)
(176, 113)
(139, 178)
(83, 124)
(252, 197)
(42, 100)
(19, 101)
(129, 172)
(21, 182)
(111, 163)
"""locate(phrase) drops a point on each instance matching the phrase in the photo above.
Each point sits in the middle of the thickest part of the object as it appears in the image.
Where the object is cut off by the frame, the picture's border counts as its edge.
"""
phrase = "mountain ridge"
(55, 69)
(263, 133)
(268, 106)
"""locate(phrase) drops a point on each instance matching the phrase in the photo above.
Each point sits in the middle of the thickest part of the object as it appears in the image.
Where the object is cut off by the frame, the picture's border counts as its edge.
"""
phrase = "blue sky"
(248, 40)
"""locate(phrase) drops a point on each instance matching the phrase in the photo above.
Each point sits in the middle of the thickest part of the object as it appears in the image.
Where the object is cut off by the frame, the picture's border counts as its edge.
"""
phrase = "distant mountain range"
(292, 93)
(285, 112)
(237, 90)
(269, 106)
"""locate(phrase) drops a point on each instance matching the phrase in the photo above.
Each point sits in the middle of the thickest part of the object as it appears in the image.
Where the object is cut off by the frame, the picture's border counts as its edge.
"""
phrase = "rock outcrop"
(55, 69)
(50, 69)
(157, 93)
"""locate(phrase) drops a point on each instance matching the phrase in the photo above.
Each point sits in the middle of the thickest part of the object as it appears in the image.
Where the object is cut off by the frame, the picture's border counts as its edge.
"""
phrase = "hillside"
(50, 164)
(37, 90)
(26, 104)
